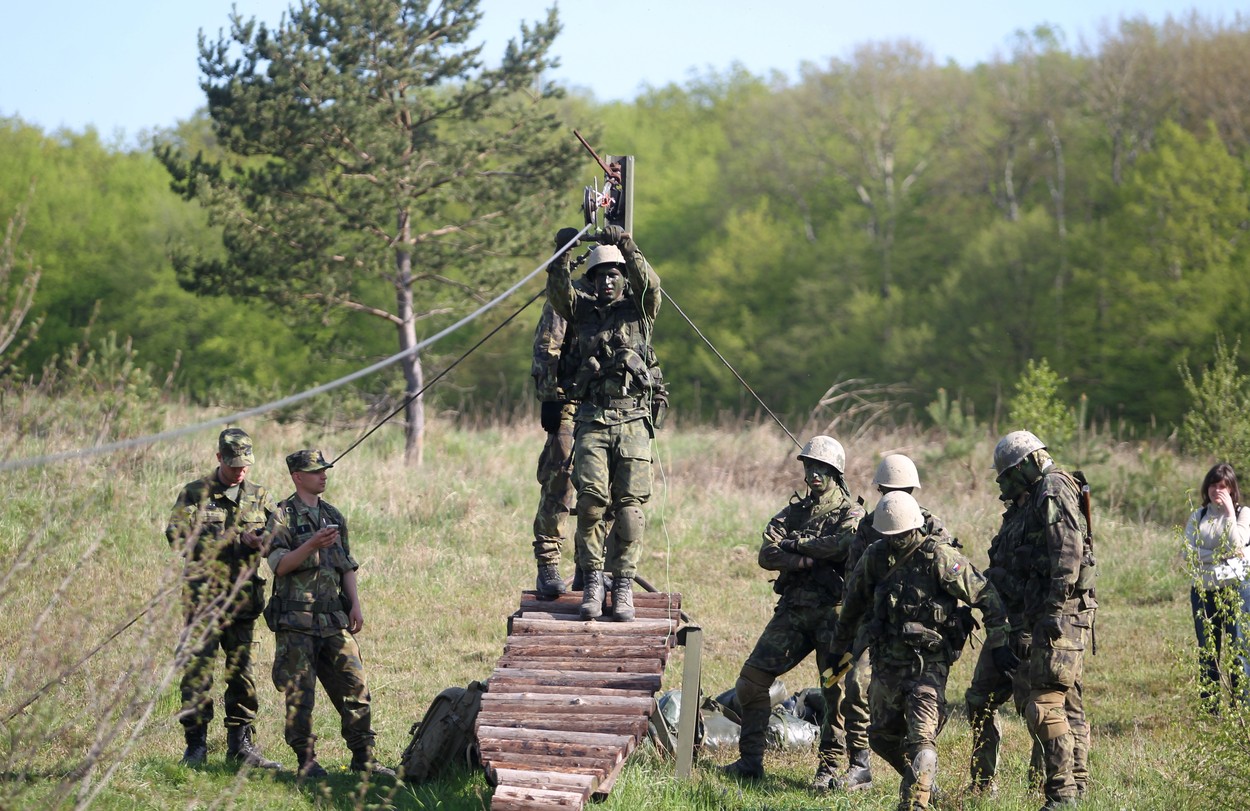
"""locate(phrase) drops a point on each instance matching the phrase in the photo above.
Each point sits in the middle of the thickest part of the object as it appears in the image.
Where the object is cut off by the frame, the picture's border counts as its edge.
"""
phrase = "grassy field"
(445, 553)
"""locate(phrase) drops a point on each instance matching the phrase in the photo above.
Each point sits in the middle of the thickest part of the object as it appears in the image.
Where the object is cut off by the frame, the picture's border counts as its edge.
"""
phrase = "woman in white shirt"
(1218, 545)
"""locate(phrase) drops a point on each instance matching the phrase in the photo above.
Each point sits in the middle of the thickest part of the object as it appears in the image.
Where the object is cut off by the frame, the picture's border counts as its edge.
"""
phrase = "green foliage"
(1038, 406)
(956, 426)
(19, 279)
(1217, 424)
(372, 166)
(1218, 769)
(883, 217)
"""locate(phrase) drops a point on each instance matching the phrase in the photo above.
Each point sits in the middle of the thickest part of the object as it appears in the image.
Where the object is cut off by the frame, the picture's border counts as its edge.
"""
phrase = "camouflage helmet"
(896, 472)
(897, 512)
(824, 449)
(1013, 448)
(604, 255)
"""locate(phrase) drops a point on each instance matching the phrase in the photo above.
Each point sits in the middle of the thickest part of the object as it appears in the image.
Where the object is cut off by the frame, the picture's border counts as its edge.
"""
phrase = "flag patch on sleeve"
(956, 567)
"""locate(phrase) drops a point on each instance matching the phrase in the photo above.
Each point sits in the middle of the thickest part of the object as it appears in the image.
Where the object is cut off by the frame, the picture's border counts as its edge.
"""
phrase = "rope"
(745, 385)
(261, 410)
(438, 376)
(65, 674)
(173, 433)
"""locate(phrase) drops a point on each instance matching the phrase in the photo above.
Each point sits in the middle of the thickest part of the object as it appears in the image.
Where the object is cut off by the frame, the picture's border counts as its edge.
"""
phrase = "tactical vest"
(825, 582)
(913, 617)
(312, 591)
(616, 366)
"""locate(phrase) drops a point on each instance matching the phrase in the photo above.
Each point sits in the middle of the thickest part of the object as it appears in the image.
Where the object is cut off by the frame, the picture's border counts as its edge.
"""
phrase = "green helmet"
(825, 449)
(897, 512)
(604, 255)
(896, 472)
(1011, 449)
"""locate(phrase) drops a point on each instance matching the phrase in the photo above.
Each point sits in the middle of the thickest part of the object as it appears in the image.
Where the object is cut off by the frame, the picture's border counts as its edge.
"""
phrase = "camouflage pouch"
(921, 638)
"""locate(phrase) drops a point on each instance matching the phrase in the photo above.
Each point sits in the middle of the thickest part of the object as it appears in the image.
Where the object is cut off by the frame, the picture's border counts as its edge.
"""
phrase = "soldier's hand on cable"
(564, 236)
(1004, 659)
(1050, 627)
(618, 236)
(549, 416)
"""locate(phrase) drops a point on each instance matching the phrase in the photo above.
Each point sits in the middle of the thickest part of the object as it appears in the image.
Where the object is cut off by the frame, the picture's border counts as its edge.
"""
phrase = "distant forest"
(885, 219)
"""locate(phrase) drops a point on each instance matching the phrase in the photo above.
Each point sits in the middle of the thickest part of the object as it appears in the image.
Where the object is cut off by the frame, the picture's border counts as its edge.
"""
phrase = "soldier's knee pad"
(630, 523)
(752, 687)
(924, 764)
(1046, 716)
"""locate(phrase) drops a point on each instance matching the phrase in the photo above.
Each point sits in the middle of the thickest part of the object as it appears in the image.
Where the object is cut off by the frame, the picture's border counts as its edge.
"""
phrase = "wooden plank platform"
(570, 700)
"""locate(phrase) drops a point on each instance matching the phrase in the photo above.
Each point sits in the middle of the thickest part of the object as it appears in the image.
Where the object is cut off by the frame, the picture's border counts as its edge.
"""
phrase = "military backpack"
(445, 735)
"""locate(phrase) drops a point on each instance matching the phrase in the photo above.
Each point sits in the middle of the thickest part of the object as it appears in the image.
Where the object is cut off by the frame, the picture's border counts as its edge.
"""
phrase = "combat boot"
(549, 583)
(623, 598)
(592, 595)
(858, 773)
(241, 749)
(363, 762)
(826, 770)
(824, 779)
(746, 767)
(197, 746)
(309, 768)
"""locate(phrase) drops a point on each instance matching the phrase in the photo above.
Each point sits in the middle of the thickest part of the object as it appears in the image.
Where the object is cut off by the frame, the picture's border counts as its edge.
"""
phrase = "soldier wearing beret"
(315, 612)
(218, 524)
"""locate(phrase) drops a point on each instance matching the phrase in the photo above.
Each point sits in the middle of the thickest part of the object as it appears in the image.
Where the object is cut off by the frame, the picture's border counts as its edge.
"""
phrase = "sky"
(127, 66)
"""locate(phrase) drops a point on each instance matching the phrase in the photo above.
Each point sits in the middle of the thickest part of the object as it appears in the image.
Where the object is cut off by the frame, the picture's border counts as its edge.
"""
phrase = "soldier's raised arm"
(560, 293)
(644, 282)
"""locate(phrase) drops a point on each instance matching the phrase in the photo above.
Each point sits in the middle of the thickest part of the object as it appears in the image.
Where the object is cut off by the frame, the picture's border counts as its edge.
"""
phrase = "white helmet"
(1011, 449)
(897, 512)
(825, 449)
(896, 472)
(604, 255)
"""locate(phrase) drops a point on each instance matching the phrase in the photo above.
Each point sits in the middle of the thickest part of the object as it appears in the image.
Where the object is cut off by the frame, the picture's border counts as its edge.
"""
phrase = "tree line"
(882, 218)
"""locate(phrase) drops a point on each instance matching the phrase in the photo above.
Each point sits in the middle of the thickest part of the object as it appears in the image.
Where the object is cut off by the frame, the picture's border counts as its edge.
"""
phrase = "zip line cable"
(467, 352)
(438, 376)
(745, 385)
(263, 409)
(173, 433)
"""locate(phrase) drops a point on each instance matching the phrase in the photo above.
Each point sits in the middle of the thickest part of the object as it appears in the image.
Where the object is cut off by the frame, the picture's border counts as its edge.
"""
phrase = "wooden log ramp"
(569, 700)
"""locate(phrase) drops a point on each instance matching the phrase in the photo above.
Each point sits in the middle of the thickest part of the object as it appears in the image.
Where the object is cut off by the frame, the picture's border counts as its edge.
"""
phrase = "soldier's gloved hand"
(1050, 627)
(549, 416)
(564, 236)
(1004, 659)
(790, 545)
(618, 236)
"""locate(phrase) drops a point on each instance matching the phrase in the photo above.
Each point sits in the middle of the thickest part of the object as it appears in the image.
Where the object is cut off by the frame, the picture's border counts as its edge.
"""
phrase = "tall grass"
(445, 553)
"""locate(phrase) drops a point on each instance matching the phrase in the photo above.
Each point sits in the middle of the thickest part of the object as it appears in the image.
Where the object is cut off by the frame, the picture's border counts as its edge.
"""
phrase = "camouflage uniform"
(309, 616)
(991, 687)
(617, 378)
(555, 463)
(909, 605)
(223, 587)
(803, 620)
(855, 697)
(1054, 565)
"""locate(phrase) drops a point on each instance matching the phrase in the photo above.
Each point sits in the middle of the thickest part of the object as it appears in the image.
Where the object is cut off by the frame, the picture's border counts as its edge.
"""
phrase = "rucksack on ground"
(444, 736)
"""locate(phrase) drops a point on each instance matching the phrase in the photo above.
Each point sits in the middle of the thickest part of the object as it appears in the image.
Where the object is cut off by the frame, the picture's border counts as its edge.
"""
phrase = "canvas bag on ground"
(444, 735)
